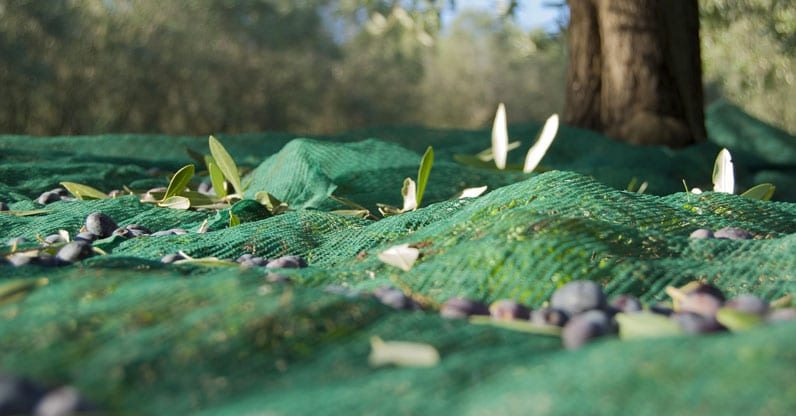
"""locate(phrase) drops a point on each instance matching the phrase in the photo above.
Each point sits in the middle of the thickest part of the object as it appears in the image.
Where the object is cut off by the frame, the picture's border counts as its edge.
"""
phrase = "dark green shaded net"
(140, 337)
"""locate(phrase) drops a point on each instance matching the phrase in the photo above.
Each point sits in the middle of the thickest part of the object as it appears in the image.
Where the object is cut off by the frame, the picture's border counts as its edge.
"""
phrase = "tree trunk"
(635, 71)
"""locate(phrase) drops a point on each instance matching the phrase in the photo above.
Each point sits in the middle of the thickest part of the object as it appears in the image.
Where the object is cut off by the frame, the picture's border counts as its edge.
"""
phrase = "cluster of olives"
(250, 260)
(581, 310)
(96, 226)
(22, 397)
(726, 233)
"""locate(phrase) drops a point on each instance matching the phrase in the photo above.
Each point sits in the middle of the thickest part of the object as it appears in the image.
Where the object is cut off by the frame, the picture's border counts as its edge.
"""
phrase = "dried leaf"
(401, 256)
(409, 194)
(402, 354)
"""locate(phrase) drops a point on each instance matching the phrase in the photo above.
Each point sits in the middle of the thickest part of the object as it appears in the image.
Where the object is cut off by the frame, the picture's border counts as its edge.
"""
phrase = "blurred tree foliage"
(749, 55)
(318, 66)
(194, 67)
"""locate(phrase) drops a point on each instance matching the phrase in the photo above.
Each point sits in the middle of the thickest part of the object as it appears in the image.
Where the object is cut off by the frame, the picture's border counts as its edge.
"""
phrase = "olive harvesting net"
(139, 336)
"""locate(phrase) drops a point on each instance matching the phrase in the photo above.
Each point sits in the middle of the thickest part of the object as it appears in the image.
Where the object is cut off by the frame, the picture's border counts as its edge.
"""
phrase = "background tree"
(635, 70)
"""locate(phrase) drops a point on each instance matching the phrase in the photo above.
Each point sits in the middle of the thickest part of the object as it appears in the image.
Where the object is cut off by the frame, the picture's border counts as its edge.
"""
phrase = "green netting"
(140, 337)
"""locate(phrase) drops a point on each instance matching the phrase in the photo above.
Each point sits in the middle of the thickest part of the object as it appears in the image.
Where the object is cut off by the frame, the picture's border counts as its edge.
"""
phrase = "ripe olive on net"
(3, 206)
(701, 233)
(507, 309)
(18, 396)
(626, 304)
(100, 224)
(578, 296)
(460, 308)
(171, 258)
(733, 233)
(695, 323)
(54, 238)
(549, 316)
(287, 262)
(48, 198)
(585, 327)
(748, 303)
(16, 241)
(75, 251)
(63, 401)
(395, 298)
(86, 236)
(781, 314)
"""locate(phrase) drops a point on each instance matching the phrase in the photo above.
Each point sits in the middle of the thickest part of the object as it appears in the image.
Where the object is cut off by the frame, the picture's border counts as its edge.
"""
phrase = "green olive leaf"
(646, 325)
(81, 191)
(736, 320)
(226, 164)
(176, 202)
(423, 172)
(217, 179)
(763, 192)
(233, 219)
(179, 181)
(357, 213)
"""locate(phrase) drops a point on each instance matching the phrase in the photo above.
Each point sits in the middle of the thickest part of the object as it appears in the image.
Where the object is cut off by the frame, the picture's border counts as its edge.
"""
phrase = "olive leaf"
(736, 320)
(176, 202)
(422, 173)
(357, 213)
(402, 353)
(25, 213)
(409, 195)
(81, 191)
(518, 325)
(543, 142)
(271, 203)
(401, 256)
(179, 181)
(233, 219)
(486, 155)
(226, 164)
(646, 325)
(217, 179)
(500, 138)
(763, 192)
(470, 192)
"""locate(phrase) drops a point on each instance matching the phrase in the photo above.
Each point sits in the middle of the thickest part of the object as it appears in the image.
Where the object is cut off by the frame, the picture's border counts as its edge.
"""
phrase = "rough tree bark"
(635, 71)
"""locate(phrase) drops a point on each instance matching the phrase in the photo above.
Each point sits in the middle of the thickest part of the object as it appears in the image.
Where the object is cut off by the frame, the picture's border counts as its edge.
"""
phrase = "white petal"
(401, 256)
(723, 174)
(500, 138)
(538, 150)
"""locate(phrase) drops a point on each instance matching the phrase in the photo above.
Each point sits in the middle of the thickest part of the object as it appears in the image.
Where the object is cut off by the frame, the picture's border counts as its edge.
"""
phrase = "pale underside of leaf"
(471, 192)
(543, 142)
(401, 256)
(176, 202)
(723, 174)
(487, 155)
(500, 138)
(409, 193)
